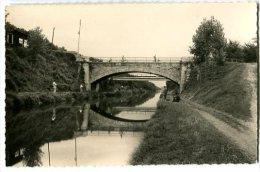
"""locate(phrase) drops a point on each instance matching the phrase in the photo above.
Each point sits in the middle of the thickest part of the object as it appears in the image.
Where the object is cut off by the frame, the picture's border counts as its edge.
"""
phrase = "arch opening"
(125, 72)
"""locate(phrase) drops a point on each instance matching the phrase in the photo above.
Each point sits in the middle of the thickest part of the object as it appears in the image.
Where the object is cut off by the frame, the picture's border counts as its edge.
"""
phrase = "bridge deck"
(132, 59)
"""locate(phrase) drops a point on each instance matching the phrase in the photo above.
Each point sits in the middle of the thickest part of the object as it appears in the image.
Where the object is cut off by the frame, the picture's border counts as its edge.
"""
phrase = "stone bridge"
(96, 71)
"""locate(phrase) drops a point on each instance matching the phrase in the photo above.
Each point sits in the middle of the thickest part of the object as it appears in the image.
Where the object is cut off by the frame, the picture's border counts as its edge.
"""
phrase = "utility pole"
(79, 34)
(49, 155)
(257, 32)
(52, 34)
(75, 144)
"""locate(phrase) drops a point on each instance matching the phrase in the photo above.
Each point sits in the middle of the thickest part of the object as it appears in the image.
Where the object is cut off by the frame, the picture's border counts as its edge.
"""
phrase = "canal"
(104, 132)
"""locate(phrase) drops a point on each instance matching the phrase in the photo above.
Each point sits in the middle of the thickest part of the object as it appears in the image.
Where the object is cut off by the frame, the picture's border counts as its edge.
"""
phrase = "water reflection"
(103, 132)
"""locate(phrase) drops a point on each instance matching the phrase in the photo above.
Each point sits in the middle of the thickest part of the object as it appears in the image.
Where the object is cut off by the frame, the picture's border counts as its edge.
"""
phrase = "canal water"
(106, 132)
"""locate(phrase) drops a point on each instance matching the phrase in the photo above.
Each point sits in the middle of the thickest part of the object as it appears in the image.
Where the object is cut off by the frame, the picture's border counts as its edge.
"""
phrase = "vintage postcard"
(126, 84)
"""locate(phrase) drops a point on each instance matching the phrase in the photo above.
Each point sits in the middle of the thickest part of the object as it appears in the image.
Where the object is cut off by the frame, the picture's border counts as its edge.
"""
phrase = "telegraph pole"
(79, 34)
(49, 155)
(52, 34)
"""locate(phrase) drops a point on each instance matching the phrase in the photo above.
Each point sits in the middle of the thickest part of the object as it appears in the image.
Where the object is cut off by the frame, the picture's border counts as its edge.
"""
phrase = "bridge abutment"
(183, 75)
(87, 76)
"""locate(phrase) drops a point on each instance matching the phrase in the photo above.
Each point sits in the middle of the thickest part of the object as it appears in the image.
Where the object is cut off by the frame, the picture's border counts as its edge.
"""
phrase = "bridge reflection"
(96, 119)
(98, 122)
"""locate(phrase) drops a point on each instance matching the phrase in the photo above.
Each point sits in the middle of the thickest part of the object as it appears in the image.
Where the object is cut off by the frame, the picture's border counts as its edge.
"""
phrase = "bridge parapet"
(137, 59)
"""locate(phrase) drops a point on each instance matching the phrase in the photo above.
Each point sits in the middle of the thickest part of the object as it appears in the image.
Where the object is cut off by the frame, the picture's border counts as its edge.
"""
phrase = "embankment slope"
(232, 92)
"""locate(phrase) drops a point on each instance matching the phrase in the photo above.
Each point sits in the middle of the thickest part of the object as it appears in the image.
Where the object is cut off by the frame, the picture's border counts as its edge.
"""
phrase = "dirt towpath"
(245, 135)
(245, 140)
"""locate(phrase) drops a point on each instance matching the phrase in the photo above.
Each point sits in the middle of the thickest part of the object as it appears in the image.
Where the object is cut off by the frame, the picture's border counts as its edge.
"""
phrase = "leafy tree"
(250, 52)
(37, 42)
(209, 39)
(234, 50)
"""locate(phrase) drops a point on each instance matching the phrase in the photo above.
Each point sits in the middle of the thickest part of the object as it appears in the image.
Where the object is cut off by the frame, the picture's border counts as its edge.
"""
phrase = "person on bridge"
(154, 57)
(54, 87)
(123, 59)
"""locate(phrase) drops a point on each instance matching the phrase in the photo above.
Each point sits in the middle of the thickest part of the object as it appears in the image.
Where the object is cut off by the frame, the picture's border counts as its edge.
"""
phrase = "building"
(16, 38)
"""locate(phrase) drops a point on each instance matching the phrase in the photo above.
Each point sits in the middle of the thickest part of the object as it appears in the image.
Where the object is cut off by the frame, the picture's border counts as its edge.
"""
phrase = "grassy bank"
(26, 100)
(229, 92)
(179, 135)
(28, 72)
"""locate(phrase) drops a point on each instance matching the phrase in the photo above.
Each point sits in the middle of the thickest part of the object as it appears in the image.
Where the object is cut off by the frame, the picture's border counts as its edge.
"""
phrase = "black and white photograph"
(129, 84)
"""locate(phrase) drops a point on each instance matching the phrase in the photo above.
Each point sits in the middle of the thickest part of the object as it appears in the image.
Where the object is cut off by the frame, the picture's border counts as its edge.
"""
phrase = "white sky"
(134, 29)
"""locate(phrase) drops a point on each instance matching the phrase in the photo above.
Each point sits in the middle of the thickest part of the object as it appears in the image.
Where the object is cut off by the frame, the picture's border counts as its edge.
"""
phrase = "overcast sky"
(134, 29)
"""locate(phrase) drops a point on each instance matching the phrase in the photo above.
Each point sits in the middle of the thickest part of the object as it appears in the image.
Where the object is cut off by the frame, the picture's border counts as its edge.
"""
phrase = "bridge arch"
(114, 74)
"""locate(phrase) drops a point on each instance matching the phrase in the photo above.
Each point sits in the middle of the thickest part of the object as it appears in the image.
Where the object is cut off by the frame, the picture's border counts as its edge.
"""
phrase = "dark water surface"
(105, 132)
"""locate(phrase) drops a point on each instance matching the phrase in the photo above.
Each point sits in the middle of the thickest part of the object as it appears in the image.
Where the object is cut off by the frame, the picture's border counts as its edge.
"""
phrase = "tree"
(234, 50)
(209, 39)
(250, 52)
(37, 42)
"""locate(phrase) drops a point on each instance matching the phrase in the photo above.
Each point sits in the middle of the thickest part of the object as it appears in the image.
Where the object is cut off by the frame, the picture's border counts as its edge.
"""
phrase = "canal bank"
(177, 134)
(27, 100)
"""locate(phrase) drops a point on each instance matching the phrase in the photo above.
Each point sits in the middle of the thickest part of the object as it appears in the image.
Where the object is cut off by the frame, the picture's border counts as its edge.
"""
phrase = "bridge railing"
(136, 59)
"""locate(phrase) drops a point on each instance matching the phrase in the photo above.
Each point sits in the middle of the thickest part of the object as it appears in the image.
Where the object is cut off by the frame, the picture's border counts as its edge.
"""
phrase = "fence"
(202, 73)
(234, 60)
(138, 59)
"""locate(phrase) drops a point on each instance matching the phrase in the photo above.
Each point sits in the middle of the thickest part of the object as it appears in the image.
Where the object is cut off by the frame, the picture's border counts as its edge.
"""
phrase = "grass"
(230, 92)
(178, 135)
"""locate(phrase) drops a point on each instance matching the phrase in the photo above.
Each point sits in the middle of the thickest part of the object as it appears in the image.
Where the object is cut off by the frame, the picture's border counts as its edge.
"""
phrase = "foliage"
(22, 75)
(9, 27)
(209, 38)
(247, 52)
(111, 85)
(250, 52)
(234, 50)
(37, 42)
